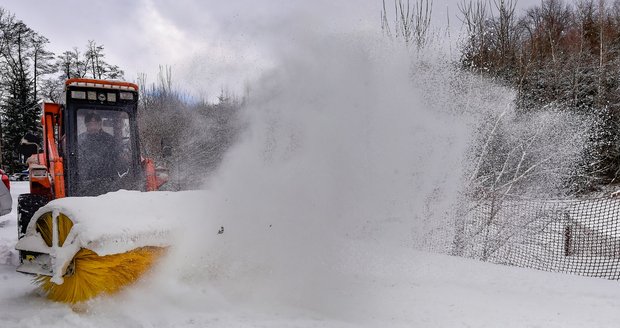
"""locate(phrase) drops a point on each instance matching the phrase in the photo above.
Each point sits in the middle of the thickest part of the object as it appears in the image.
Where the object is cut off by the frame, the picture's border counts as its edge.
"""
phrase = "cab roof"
(106, 84)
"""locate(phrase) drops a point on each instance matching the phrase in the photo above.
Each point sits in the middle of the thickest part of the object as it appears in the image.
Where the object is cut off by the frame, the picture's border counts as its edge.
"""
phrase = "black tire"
(27, 204)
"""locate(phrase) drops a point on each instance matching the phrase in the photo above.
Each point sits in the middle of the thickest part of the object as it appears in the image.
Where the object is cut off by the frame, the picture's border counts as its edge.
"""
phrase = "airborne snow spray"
(354, 149)
(352, 143)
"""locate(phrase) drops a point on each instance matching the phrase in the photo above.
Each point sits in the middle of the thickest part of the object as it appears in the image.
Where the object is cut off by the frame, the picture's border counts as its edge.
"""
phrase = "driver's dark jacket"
(97, 157)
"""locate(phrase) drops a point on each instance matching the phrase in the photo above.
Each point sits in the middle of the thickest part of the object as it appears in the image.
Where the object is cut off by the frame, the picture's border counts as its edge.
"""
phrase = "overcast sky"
(208, 43)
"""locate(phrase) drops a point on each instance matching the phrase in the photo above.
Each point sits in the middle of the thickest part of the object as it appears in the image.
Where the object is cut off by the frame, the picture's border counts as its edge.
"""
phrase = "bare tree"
(90, 63)
(537, 155)
(504, 27)
(474, 16)
(411, 22)
(198, 134)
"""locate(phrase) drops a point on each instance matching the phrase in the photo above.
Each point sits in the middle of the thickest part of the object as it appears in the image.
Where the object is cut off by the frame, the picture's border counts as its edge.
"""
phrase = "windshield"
(104, 152)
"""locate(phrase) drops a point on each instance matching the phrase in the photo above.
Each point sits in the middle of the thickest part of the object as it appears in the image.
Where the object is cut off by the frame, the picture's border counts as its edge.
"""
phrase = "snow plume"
(537, 154)
(354, 151)
(349, 139)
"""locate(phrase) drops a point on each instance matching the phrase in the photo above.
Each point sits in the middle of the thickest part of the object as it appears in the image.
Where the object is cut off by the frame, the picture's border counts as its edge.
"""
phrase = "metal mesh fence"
(571, 236)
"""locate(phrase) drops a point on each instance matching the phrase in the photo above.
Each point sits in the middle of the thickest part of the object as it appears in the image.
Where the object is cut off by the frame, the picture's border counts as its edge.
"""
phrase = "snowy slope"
(378, 285)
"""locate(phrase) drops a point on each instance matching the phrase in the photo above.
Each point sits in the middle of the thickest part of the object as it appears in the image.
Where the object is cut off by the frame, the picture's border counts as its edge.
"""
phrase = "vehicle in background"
(6, 201)
(20, 176)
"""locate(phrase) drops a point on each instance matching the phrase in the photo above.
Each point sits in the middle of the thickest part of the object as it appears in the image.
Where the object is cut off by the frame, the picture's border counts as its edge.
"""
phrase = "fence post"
(568, 236)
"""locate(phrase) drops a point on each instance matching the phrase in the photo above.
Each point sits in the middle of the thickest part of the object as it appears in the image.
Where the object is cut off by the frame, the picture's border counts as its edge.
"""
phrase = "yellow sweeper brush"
(89, 274)
(92, 274)
(76, 260)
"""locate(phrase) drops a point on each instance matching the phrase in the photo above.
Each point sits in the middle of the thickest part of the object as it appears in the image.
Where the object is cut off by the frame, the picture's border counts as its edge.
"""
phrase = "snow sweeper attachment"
(79, 247)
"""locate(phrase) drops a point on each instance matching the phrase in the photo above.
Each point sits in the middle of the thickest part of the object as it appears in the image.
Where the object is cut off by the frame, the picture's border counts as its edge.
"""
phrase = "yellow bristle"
(93, 274)
(44, 227)
(90, 274)
(64, 226)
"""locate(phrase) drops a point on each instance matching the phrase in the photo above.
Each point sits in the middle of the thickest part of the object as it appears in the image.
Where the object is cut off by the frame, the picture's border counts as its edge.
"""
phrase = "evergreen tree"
(23, 60)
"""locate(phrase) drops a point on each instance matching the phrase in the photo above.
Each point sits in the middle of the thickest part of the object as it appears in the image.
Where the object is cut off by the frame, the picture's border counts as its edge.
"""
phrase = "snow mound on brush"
(124, 220)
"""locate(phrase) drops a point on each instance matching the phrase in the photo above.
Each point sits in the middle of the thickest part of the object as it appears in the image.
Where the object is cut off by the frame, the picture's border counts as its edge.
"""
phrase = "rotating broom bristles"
(90, 274)
(93, 274)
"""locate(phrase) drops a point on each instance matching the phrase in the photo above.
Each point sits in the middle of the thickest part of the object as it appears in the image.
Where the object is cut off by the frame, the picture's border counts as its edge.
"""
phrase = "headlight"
(78, 94)
(126, 95)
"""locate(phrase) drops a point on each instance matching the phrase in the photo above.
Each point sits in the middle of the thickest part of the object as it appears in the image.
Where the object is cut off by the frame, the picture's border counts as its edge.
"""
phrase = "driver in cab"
(98, 151)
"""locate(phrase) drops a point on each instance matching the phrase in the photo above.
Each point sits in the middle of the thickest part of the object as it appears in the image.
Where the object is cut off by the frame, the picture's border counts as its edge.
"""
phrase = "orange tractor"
(90, 147)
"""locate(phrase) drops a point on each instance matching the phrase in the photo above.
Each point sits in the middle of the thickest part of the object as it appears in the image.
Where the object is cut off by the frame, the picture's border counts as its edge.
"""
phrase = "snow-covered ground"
(378, 285)
(8, 226)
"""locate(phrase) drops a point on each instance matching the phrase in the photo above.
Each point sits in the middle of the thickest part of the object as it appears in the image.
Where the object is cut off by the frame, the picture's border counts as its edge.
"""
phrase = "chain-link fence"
(571, 236)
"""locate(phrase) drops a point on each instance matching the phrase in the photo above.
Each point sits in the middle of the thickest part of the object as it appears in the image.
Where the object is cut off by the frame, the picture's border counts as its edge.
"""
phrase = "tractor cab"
(98, 137)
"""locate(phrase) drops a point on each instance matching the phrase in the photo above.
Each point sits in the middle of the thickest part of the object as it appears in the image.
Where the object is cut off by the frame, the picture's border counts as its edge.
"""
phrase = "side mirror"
(29, 145)
(166, 149)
